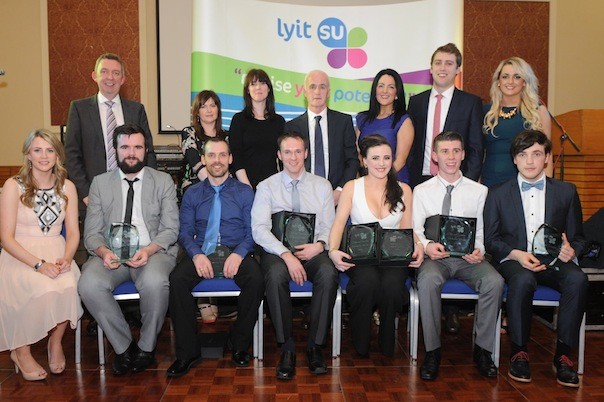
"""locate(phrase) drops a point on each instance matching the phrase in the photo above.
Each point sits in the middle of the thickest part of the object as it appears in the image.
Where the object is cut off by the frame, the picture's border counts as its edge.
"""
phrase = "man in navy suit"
(88, 142)
(459, 111)
(513, 213)
(330, 135)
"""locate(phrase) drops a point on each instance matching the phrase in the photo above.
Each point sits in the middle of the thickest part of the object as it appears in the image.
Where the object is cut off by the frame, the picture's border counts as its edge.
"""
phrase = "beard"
(127, 169)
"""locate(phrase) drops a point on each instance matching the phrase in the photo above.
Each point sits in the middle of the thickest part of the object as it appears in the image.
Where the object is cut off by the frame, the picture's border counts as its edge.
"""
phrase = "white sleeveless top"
(360, 212)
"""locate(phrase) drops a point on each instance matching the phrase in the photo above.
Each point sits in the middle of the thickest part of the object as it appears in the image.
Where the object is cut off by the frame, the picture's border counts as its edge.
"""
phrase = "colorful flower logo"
(346, 46)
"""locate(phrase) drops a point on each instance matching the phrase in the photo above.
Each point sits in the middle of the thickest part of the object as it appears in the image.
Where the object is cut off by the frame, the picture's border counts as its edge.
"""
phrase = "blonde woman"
(514, 107)
(38, 277)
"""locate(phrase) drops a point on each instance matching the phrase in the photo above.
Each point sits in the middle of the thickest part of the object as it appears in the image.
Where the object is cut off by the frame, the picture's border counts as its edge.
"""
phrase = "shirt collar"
(520, 180)
(446, 183)
(448, 94)
(101, 99)
(139, 175)
(286, 180)
(312, 115)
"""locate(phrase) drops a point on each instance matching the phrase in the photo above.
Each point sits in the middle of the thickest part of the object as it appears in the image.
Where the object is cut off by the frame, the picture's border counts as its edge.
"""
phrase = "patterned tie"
(319, 157)
(210, 239)
(436, 131)
(447, 201)
(129, 200)
(295, 196)
(526, 186)
(110, 124)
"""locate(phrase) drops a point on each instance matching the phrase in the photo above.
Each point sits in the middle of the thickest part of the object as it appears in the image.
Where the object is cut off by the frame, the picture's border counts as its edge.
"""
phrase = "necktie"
(526, 186)
(447, 201)
(436, 131)
(210, 239)
(129, 200)
(295, 196)
(319, 157)
(110, 124)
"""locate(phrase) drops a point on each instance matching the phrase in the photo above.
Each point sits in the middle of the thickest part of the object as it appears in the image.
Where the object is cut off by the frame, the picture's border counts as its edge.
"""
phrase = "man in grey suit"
(88, 143)
(147, 199)
(332, 146)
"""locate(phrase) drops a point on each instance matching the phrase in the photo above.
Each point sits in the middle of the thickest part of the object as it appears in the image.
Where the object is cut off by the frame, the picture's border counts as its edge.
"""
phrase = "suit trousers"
(183, 309)
(97, 284)
(570, 281)
(481, 277)
(324, 277)
(372, 286)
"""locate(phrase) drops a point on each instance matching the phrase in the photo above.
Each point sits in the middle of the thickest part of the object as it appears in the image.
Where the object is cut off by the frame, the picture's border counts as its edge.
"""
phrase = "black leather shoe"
(484, 362)
(241, 358)
(519, 367)
(429, 368)
(123, 362)
(565, 373)
(452, 323)
(182, 367)
(286, 369)
(316, 362)
(142, 360)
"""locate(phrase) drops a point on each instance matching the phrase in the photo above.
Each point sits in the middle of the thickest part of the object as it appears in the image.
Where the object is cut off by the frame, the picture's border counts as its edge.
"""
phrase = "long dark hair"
(257, 74)
(200, 99)
(394, 192)
(399, 106)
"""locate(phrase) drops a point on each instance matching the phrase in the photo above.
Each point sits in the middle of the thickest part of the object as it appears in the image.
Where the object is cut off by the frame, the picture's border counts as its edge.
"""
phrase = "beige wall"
(576, 55)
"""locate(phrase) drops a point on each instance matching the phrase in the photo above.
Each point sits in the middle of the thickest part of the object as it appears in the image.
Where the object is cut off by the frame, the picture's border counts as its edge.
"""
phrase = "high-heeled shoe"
(33, 376)
(207, 315)
(55, 368)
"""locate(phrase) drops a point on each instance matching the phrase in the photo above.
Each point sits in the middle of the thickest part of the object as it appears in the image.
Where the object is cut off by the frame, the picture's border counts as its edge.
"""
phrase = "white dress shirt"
(118, 113)
(137, 206)
(467, 200)
(311, 139)
(533, 204)
(445, 103)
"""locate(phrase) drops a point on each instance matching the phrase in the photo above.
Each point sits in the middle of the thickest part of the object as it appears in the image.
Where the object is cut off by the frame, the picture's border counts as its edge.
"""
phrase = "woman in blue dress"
(514, 107)
(387, 115)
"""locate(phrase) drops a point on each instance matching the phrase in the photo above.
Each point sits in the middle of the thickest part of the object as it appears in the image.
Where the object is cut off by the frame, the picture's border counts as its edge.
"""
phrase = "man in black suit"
(332, 146)
(513, 214)
(88, 143)
(459, 111)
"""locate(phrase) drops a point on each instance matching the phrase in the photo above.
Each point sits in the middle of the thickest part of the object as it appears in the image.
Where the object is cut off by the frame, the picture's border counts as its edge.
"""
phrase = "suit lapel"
(453, 108)
(550, 199)
(116, 192)
(95, 118)
(518, 210)
(331, 117)
(306, 131)
(147, 192)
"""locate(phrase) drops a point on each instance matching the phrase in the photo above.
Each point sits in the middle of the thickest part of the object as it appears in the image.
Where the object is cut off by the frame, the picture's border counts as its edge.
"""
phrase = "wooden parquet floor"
(350, 377)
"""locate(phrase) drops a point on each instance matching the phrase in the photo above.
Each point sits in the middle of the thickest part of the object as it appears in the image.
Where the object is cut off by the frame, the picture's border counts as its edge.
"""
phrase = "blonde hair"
(25, 174)
(529, 97)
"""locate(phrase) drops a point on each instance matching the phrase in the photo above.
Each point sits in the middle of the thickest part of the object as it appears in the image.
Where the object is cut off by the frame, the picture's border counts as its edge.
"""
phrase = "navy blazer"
(464, 116)
(504, 224)
(85, 143)
(343, 157)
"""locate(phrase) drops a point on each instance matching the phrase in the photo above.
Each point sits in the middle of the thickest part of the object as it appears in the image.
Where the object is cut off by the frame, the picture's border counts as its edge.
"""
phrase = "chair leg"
(260, 332)
(582, 346)
(101, 346)
(336, 325)
(414, 327)
(78, 342)
(497, 343)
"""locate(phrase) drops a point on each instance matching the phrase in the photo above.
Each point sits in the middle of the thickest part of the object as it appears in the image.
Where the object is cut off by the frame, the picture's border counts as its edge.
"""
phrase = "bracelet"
(39, 264)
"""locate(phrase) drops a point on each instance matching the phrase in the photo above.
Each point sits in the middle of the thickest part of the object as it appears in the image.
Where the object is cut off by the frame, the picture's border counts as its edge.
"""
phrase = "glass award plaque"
(456, 233)
(396, 247)
(218, 258)
(123, 240)
(293, 228)
(547, 241)
(361, 242)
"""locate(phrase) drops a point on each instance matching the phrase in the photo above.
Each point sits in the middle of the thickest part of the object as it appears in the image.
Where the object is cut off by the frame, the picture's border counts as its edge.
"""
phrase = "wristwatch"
(323, 243)
(39, 264)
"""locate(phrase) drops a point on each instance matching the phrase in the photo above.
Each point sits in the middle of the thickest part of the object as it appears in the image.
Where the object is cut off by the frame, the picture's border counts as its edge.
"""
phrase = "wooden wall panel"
(79, 31)
(496, 30)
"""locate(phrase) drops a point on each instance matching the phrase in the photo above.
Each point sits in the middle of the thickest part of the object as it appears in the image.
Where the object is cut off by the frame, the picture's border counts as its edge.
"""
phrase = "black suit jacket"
(343, 156)
(504, 224)
(464, 116)
(85, 144)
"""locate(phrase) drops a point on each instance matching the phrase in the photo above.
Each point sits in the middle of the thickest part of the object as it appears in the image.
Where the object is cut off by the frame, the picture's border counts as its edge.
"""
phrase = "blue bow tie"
(538, 185)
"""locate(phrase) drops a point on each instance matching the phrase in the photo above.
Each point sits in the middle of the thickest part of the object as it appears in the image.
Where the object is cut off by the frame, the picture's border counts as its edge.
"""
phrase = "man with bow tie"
(513, 213)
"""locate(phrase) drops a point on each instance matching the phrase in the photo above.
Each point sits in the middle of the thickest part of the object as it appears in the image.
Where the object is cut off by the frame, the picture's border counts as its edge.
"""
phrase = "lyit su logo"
(345, 45)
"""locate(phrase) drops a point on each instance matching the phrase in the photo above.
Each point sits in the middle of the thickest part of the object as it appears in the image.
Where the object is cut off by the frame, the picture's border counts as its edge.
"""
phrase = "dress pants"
(183, 309)
(97, 284)
(481, 277)
(372, 286)
(324, 277)
(570, 281)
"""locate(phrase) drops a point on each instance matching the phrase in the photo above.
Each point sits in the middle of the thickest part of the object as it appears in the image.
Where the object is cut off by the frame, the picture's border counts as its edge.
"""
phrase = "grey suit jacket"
(343, 156)
(85, 144)
(160, 210)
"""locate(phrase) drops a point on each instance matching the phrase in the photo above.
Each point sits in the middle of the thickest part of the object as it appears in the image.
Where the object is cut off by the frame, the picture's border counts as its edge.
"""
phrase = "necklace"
(507, 115)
